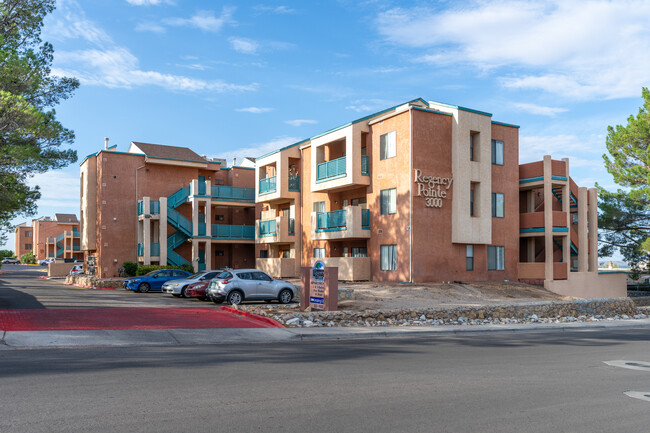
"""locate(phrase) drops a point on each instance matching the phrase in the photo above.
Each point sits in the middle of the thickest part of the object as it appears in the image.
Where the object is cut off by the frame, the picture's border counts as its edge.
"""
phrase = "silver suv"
(235, 286)
(177, 287)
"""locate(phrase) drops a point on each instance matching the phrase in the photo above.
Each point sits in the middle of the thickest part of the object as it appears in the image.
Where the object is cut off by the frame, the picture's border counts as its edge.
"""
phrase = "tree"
(28, 258)
(30, 136)
(6, 253)
(625, 214)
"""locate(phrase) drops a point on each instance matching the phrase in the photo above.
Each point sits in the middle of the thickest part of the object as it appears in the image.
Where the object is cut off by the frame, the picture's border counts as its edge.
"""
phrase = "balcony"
(537, 271)
(331, 169)
(154, 249)
(350, 268)
(268, 185)
(365, 165)
(277, 230)
(352, 222)
(233, 233)
(278, 267)
(294, 183)
(233, 194)
(532, 223)
(532, 174)
(342, 173)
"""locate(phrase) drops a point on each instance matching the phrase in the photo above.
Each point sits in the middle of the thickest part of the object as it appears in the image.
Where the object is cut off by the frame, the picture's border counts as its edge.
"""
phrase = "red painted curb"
(254, 316)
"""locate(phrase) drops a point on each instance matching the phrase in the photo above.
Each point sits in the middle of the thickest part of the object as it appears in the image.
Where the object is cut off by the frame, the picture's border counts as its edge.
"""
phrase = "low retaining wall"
(89, 281)
(642, 301)
(577, 308)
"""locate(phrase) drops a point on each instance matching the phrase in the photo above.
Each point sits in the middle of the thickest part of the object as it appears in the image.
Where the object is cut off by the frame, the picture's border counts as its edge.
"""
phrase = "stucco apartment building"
(422, 191)
(47, 237)
(158, 204)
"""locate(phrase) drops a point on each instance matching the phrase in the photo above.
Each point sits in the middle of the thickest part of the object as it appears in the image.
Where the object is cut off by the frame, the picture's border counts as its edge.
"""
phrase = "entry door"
(201, 260)
(201, 185)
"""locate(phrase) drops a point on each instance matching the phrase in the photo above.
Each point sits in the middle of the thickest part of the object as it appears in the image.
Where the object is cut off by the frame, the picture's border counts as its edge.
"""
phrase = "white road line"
(632, 365)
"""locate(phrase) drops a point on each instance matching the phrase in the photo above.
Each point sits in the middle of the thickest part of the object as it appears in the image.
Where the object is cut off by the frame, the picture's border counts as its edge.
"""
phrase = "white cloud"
(149, 2)
(254, 110)
(57, 189)
(118, 68)
(150, 27)
(590, 49)
(533, 148)
(246, 46)
(368, 105)
(300, 122)
(70, 22)
(204, 20)
(280, 10)
(257, 150)
(539, 109)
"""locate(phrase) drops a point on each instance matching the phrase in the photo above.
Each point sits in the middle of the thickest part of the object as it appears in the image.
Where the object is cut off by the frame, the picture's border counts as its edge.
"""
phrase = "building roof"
(66, 218)
(167, 152)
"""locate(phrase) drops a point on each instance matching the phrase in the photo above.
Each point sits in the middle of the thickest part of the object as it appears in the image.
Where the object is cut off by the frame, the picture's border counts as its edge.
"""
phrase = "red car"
(197, 290)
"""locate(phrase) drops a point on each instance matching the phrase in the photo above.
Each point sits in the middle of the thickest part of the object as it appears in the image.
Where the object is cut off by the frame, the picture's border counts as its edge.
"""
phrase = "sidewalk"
(12, 340)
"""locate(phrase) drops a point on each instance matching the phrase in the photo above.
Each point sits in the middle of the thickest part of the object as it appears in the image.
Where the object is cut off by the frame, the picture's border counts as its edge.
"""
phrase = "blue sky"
(244, 78)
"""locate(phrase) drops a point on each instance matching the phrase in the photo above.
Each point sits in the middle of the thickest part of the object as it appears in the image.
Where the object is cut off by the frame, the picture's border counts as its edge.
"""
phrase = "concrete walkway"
(12, 340)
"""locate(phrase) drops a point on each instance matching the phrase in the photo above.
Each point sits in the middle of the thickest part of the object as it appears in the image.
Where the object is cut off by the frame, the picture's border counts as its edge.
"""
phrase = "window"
(473, 146)
(469, 257)
(497, 152)
(165, 274)
(28, 246)
(28, 234)
(359, 252)
(218, 182)
(285, 254)
(264, 254)
(497, 204)
(178, 274)
(388, 201)
(210, 275)
(245, 276)
(361, 201)
(388, 145)
(388, 257)
(471, 199)
(319, 206)
(496, 258)
(261, 276)
(218, 217)
(319, 253)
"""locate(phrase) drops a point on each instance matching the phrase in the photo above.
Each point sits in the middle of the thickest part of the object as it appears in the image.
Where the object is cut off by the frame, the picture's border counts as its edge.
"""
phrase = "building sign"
(432, 188)
(317, 286)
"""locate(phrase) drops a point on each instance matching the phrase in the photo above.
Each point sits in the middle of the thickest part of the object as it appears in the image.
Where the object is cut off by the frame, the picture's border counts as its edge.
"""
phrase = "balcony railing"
(201, 188)
(154, 207)
(140, 207)
(76, 248)
(268, 228)
(331, 169)
(60, 237)
(140, 249)
(267, 185)
(233, 193)
(294, 183)
(50, 240)
(365, 165)
(201, 229)
(224, 231)
(331, 220)
(154, 249)
(365, 219)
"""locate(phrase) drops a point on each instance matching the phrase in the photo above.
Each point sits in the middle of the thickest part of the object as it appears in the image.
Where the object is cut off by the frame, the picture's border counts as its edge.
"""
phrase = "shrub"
(28, 258)
(130, 268)
(148, 268)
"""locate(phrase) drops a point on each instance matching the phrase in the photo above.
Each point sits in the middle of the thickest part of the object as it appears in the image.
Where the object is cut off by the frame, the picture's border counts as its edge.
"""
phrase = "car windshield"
(224, 275)
(148, 274)
(195, 276)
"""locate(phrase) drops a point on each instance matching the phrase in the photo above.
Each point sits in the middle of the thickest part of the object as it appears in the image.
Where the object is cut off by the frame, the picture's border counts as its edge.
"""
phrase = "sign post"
(319, 288)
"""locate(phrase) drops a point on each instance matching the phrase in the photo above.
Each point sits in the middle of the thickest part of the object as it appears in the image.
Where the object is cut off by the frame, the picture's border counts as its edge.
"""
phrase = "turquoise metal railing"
(331, 220)
(201, 188)
(60, 237)
(225, 231)
(76, 248)
(201, 229)
(174, 259)
(76, 233)
(267, 185)
(140, 249)
(140, 207)
(175, 240)
(268, 228)
(294, 183)
(154, 249)
(178, 198)
(365, 218)
(233, 193)
(365, 165)
(330, 169)
(154, 207)
(179, 221)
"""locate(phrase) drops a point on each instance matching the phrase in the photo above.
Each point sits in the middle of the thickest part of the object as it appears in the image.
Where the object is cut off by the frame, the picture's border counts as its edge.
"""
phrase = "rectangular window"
(497, 152)
(264, 254)
(388, 257)
(497, 204)
(28, 246)
(219, 253)
(319, 206)
(319, 253)
(28, 234)
(218, 217)
(285, 254)
(471, 199)
(469, 257)
(388, 145)
(218, 181)
(388, 201)
(496, 258)
(359, 252)
(473, 146)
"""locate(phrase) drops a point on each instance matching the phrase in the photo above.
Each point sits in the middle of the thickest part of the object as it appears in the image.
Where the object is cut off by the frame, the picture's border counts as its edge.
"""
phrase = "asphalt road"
(521, 382)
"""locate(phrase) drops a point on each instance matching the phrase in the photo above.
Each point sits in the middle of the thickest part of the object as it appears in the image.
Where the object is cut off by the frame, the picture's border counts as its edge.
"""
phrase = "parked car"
(235, 286)
(177, 287)
(198, 290)
(10, 261)
(153, 280)
(77, 270)
(46, 262)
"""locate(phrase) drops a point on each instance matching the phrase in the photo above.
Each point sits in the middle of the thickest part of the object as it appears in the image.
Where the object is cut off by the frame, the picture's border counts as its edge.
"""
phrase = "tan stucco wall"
(350, 268)
(590, 285)
(277, 268)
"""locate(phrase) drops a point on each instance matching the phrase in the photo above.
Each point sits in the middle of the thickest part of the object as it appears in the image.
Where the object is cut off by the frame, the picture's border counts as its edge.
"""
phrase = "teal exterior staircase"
(182, 225)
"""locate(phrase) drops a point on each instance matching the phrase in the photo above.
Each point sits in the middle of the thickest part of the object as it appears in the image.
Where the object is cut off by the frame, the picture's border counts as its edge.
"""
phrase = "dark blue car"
(153, 280)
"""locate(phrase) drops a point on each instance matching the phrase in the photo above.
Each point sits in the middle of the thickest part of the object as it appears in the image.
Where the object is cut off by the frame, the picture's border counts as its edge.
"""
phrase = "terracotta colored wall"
(20, 241)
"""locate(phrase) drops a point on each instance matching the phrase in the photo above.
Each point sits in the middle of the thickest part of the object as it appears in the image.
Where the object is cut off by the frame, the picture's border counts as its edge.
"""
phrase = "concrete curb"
(14, 340)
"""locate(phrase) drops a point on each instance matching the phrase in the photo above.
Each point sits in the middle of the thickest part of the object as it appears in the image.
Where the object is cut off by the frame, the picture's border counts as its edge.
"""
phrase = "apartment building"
(47, 237)
(157, 204)
(422, 191)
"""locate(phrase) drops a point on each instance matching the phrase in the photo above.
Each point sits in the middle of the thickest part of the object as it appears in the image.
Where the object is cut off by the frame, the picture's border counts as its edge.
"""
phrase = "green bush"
(28, 258)
(130, 268)
(6, 253)
(148, 268)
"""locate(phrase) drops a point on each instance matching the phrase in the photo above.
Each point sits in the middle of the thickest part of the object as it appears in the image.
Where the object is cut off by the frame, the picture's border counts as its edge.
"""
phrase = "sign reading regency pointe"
(432, 188)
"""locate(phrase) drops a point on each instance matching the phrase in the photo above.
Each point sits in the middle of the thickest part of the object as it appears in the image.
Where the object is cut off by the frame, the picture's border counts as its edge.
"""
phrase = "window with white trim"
(497, 204)
(496, 258)
(388, 257)
(497, 152)
(388, 145)
(388, 201)
(319, 253)
(469, 257)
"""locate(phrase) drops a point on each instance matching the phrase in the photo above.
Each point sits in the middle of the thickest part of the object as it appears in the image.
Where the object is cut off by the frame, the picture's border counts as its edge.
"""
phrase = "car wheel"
(285, 296)
(235, 297)
(184, 292)
(144, 287)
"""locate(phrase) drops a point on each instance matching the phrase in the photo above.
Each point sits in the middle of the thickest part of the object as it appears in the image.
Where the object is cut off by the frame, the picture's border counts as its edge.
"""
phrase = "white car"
(46, 262)
(77, 270)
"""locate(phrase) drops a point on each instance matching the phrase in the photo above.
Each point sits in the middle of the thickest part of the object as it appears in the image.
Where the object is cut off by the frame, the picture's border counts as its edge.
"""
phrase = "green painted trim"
(560, 229)
(458, 107)
(283, 148)
(170, 159)
(433, 111)
(531, 179)
(243, 168)
(532, 230)
(267, 235)
(336, 229)
(554, 177)
(506, 124)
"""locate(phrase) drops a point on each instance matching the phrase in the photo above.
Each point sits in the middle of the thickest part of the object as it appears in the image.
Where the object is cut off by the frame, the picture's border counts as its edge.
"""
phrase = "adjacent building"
(157, 204)
(47, 237)
(423, 191)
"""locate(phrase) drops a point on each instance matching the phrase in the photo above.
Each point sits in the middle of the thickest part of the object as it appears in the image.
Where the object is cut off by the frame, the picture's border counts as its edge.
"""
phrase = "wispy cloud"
(300, 122)
(58, 189)
(574, 49)
(533, 148)
(70, 22)
(258, 149)
(118, 68)
(254, 110)
(150, 27)
(243, 45)
(279, 10)
(539, 109)
(204, 20)
(366, 105)
(149, 2)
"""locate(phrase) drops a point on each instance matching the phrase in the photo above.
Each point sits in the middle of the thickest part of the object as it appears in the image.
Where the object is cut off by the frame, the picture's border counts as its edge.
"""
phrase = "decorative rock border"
(93, 282)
